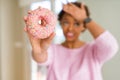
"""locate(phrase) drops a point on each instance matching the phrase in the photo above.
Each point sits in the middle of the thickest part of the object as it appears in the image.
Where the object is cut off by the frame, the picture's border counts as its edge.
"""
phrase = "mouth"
(70, 34)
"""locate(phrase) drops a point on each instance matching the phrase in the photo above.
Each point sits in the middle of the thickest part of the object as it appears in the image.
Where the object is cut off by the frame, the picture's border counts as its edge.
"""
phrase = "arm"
(94, 29)
(38, 56)
(39, 47)
(105, 45)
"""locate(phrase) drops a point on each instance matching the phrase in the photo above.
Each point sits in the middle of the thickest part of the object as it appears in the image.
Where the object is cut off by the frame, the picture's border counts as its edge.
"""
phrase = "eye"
(77, 24)
(65, 23)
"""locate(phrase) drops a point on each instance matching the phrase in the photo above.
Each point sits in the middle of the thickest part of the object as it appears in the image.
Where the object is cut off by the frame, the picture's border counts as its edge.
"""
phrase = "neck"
(73, 44)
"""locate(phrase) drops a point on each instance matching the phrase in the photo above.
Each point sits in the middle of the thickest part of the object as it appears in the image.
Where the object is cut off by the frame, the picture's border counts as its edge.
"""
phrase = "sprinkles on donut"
(40, 22)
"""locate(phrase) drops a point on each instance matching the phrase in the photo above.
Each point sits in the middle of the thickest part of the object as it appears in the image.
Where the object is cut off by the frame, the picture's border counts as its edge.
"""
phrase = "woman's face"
(71, 27)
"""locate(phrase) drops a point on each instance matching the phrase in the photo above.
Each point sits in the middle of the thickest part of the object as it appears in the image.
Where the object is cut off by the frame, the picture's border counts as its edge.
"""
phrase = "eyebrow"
(76, 21)
(64, 19)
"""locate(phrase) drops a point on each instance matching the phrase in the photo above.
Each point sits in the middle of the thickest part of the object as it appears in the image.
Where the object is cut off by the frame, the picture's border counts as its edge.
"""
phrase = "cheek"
(64, 29)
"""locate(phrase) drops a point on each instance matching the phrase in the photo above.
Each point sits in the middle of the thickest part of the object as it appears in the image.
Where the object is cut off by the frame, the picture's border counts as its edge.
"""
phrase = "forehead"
(67, 17)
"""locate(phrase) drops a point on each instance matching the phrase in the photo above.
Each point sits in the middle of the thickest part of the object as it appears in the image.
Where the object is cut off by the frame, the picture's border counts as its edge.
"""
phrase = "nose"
(70, 28)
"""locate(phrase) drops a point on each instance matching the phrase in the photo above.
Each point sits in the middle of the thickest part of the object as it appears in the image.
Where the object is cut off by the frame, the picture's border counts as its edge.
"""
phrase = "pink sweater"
(82, 63)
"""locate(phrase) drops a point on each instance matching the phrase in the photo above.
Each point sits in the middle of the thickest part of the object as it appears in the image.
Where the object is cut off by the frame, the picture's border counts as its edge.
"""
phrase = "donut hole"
(42, 22)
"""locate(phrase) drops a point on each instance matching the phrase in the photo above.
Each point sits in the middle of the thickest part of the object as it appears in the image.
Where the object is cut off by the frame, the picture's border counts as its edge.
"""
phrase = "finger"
(50, 38)
(48, 41)
(82, 6)
(69, 7)
(66, 8)
(25, 18)
(32, 38)
(70, 4)
(30, 11)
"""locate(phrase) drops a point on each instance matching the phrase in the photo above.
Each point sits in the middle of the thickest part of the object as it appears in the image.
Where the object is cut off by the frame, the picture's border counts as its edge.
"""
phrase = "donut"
(40, 22)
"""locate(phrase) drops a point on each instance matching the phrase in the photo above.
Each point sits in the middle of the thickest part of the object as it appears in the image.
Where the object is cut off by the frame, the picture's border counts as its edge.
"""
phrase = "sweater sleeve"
(105, 47)
(50, 57)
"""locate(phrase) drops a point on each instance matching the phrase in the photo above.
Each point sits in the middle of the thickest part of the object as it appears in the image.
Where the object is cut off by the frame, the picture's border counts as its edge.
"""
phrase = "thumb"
(50, 38)
(25, 18)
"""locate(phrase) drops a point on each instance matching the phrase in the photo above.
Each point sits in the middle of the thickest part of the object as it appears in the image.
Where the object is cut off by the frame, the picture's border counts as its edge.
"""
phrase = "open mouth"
(70, 34)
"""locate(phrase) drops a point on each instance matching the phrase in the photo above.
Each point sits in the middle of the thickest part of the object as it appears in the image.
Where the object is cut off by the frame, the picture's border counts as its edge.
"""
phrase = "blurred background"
(15, 51)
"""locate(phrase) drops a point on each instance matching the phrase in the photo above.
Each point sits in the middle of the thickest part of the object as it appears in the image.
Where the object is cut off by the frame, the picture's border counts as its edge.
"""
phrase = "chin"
(70, 39)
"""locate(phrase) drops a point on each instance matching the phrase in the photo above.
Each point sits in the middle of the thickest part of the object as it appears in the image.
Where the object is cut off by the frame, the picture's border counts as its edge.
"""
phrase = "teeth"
(70, 34)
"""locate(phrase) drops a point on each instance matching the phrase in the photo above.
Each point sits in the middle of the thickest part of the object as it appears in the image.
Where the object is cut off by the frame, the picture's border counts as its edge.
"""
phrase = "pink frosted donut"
(41, 22)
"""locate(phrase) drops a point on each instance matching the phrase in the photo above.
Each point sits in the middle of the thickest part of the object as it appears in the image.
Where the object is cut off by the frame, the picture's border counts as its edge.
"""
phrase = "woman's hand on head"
(78, 13)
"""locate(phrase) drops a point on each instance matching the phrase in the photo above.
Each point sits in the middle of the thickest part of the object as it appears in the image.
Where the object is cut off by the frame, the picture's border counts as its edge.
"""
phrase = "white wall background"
(107, 14)
(14, 61)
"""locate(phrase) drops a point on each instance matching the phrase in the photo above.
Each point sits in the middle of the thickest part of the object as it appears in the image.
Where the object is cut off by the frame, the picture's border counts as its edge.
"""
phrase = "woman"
(75, 59)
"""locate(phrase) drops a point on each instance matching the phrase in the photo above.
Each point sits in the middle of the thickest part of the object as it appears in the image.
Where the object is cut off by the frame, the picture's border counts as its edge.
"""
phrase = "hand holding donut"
(39, 45)
(40, 25)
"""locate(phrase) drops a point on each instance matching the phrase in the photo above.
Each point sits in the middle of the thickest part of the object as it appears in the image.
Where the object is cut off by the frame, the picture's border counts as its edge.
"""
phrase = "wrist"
(36, 52)
(86, 21)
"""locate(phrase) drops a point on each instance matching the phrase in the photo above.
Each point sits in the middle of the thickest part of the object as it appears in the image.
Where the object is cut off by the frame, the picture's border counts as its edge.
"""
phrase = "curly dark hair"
(78, 4)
